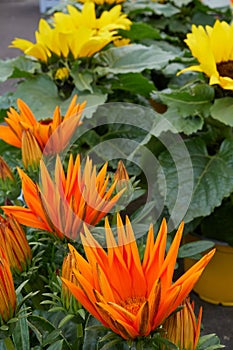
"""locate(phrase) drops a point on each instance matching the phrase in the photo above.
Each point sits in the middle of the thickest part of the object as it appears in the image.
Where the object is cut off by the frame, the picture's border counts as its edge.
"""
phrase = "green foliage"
(138, 108)
(212, 176)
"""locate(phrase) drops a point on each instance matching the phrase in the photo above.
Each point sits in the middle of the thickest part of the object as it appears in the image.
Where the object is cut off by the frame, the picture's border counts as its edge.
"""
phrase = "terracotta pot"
(216, 282)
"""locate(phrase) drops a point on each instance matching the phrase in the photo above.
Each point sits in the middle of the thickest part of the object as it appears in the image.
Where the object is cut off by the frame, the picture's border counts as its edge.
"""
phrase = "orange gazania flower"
(182, 328)
(7, 290)
(42, 130)
(61, 205)
(129, 296)
(14, 243)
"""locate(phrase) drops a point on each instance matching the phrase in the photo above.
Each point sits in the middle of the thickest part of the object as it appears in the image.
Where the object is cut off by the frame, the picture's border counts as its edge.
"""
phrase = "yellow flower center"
(133, 304)
(225, 69)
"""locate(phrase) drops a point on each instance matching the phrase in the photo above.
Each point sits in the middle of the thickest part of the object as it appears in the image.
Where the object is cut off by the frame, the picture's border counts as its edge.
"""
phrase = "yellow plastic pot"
(216, 282)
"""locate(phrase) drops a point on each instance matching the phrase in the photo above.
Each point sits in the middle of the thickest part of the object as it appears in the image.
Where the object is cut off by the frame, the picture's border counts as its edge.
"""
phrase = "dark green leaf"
(133, 82)
(212, 177)
(140, 31)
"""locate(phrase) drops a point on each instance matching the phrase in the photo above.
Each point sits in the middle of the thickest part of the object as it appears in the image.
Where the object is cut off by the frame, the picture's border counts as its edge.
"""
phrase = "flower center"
(46, 121)
(225, 69)
(133, 304)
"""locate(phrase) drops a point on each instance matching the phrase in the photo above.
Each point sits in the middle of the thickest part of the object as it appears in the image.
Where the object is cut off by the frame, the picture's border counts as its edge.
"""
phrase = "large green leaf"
(222, 110)
(212, 177)
(40, 93)
(190, 101)
(132, 59)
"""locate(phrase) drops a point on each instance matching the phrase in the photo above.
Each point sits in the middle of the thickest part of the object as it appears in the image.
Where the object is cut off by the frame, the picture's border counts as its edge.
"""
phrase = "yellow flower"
(62, 73)
(113, 19)
(182, 328)
(129, 296)
(213, 48)
(121, 42)
(7, 290)
(78, 33)
(18, 123)
(15, 244)
(63, 204)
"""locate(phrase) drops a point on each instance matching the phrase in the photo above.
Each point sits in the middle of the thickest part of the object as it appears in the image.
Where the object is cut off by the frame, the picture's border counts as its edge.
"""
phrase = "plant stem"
(9, 344)
(139, 345)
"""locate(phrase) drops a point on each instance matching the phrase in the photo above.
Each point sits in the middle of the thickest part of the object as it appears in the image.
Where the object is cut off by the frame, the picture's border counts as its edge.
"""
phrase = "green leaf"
(222, 110)
(19, 67)
(46, 332)
(192, 100)
(133, 82)
(40, 94)
(40, 326)
(179, 124)
(209, 342)
(212, 178)
(21, 331)
(166, 10)
(65, 320)
(82, 81)
(181, 3)
(139, 31)
(58, 345)
(194, 248)
(132, 59)
(24, 67)
(6, 69)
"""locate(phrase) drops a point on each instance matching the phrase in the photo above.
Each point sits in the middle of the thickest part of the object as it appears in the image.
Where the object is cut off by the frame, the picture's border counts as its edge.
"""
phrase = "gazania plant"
(63, 204)
(24, 131)
(131, 297)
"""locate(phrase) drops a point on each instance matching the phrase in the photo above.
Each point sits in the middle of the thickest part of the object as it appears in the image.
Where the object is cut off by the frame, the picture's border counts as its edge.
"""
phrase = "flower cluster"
(77, 33)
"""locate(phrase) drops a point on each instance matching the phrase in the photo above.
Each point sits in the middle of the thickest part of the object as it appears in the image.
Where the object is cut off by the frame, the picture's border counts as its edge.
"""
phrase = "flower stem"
(9, 344)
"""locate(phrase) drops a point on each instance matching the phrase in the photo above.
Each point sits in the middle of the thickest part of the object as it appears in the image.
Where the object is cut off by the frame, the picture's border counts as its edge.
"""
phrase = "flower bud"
(69, 263)
(182, 328)
(7, 290)
(31, 152)
(15, 245)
